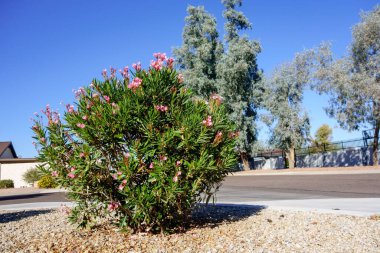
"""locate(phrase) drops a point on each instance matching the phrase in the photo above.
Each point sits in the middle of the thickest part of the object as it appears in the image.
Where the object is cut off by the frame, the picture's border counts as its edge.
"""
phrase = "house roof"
(7, 144)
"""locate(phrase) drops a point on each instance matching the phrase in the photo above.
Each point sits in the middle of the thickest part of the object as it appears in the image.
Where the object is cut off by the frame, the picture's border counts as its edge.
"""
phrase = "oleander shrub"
(47, 181)
(32, 175)
(6, 183)
(139, 149)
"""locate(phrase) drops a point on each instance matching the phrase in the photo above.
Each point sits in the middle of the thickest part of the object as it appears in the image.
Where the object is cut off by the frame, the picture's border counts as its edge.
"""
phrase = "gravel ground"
(214, 229)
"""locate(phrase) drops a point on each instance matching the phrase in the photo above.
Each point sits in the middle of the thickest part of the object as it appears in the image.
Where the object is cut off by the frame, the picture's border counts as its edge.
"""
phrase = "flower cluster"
(136, 66)
(161, 108)
(125, 72)
(113, 205)
(135, 83)
(207, 122)
(159, 62)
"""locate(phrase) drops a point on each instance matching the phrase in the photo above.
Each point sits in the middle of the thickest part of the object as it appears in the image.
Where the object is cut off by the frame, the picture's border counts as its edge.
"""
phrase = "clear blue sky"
(48, 48)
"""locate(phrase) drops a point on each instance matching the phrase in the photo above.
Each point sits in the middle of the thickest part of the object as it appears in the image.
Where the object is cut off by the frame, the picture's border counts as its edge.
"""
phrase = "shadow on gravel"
(19, 215)
(215, 215)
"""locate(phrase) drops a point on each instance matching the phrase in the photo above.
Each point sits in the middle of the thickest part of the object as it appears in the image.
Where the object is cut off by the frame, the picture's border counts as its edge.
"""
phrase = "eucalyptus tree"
(198, 56)
(239, 78)
(353, 81)
(288, 121)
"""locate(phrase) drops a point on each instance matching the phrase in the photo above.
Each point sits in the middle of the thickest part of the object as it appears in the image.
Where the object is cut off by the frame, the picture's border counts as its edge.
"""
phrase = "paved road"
(297, 187)
(239, 189)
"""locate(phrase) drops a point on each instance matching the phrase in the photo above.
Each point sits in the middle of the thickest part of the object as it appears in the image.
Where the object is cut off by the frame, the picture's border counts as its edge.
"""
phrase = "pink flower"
(157, 65)
(135, 83)
(207, 122)
(119, 173)
(137, 66)
(43, 140)
(163, 158)
(112, 206)
(180, 78)
(95, 96)
(170, 62)
(127, 155)
(218, 99)
(161, 108)
(82, 155)
(125, 72)
(54, 173)
(71, 175)
(177, 175)
(107, 98)
(114, 176)
(104, 73)
(122, 185)
(160, 56)
(151, 166)
(85, 117)
(92, 85)
(70, 108)
(81, 125)
(178, 163)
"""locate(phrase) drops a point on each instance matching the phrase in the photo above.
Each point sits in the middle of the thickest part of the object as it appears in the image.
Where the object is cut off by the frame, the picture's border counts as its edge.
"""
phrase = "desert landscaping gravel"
(213, 229)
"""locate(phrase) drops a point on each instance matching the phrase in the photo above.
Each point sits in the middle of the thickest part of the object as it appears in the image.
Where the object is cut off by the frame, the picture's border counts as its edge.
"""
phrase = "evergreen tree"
(239, 78)
(201, 49)
(233, 74)
(353, 81)
(284, 95)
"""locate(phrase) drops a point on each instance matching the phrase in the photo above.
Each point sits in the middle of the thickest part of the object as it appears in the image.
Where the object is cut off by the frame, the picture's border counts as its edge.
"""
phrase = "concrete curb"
(363, 207)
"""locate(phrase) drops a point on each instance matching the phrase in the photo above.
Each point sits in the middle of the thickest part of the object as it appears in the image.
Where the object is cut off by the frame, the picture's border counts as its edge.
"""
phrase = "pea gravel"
(213, 229)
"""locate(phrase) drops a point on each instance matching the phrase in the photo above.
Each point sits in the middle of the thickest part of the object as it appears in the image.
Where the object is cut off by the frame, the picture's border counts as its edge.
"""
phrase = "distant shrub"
(6, 183)
(47, 181)
(32, 175)
(140, 150)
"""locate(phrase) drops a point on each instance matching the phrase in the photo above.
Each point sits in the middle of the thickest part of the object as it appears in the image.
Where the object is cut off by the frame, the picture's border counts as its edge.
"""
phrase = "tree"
(353, 82)
(233, 74)
(322, 139)
(201, 50)
(289, 123)
(239, 79)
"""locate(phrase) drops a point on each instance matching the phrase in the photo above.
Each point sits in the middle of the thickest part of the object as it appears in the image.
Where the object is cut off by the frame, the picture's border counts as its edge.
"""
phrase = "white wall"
(14, 171)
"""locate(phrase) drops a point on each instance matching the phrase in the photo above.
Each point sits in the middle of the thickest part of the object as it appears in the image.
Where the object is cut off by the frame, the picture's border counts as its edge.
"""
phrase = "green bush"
(6, 183)
(142, 151)
(32, 175)
(47, 181)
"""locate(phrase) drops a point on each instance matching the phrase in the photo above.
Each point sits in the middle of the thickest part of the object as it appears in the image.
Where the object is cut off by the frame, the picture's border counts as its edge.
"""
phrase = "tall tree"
(197, 57)
(353, 82)
(239, 79)
(289, 123)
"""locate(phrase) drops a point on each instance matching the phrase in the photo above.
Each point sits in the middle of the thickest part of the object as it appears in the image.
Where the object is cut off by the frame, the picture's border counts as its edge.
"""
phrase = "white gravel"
(214, 229)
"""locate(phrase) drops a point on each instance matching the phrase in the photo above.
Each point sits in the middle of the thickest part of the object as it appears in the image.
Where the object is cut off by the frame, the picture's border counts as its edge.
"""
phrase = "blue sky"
(48, 48)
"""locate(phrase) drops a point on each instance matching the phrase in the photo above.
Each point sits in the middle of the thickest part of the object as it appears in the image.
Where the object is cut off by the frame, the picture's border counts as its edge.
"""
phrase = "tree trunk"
(376, 143)
(244, 159)
(290, 155)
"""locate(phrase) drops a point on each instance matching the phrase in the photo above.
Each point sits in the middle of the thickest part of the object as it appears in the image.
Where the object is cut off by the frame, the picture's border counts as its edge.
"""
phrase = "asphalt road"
(297, 187)
(263, 188)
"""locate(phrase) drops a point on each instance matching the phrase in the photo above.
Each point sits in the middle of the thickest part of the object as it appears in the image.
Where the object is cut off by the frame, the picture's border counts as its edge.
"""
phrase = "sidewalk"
(26, 191)
(312, 171)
